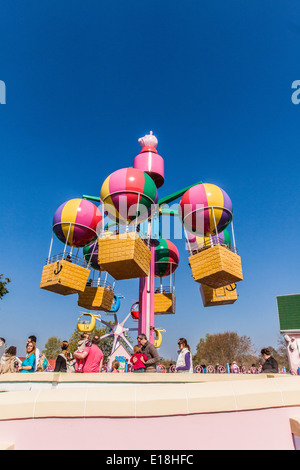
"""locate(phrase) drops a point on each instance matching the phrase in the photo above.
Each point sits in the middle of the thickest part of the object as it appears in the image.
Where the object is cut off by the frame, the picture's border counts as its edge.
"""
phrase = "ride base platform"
(216, 411)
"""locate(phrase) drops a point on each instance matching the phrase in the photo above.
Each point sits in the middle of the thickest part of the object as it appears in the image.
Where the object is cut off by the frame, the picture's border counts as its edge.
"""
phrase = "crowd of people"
(88, 358)
(9, 361)
(270, 365)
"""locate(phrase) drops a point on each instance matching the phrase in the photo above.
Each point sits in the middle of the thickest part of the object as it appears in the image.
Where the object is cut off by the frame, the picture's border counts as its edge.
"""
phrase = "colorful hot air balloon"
(205, 209)
(77, 222)
(90, 254)
(197, 242)
(166, 258)
(127, 195)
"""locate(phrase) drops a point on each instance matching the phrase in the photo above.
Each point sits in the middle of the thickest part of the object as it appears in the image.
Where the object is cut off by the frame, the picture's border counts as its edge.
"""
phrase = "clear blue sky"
(212, 80)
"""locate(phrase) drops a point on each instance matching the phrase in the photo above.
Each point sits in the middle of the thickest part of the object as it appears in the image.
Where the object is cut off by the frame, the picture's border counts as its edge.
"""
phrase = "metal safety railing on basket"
(112, 230)
(101, 283)
(66, 257)
(165, 290)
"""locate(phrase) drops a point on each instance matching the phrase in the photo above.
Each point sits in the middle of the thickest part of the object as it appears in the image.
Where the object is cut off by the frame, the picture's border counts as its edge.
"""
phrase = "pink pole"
(146, 302)
(142, 306)
(151, 335)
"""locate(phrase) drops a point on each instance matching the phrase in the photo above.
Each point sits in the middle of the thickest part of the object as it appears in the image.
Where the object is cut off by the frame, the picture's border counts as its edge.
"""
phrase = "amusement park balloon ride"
(130, 246)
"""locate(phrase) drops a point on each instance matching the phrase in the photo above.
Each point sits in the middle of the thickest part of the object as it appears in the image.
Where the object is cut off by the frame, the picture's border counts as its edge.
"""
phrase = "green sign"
(289, 312)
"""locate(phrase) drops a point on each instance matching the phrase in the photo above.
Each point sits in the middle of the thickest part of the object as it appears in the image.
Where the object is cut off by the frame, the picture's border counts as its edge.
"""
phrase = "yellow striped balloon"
(77, 222)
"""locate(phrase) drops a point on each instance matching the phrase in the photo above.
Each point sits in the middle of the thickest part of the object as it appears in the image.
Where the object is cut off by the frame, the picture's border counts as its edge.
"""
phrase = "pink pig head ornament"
(148, 159)
(148, 141)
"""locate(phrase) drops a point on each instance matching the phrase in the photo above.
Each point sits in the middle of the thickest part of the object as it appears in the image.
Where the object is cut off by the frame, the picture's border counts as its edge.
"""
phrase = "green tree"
(282, 356)
(223, 348)
(52, 348)
(3, 284)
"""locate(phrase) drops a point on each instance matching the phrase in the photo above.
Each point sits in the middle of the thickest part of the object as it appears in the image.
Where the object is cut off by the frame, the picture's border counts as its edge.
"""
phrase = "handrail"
(100, 283)
(66, 257)
(164, 290)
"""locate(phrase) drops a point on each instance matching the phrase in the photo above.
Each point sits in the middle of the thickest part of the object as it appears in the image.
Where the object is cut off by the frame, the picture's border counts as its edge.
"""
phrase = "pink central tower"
(151, 163)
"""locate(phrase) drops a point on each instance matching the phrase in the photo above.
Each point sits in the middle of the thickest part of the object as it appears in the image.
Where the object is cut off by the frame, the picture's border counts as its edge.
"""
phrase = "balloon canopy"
(77, 222)
(205, 209)
(127, 195)
(166, 258)
(90, 254)
(197, 242)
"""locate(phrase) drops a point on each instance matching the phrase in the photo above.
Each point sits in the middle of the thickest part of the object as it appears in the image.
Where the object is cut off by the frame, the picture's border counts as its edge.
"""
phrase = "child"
(115, 366)
(234, 368)
(139, 364)
(81, 345)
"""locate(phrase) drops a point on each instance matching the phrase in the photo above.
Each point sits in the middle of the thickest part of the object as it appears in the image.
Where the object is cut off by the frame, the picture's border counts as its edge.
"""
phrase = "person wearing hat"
(150, 351)
(270, 364)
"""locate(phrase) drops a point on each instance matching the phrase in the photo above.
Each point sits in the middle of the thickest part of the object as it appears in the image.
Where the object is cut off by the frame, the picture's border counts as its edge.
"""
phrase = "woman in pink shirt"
(138, 360)
(93, 357)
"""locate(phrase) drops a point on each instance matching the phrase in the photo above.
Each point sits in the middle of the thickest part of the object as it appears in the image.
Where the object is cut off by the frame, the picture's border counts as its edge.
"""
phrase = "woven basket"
(64, 277)
(164, 303)
(124, 256)
(216, 267)
(96, 298)
(221, 296)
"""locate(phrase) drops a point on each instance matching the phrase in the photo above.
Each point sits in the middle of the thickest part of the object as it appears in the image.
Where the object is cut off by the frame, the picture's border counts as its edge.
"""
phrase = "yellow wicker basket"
(124, 256)
(221, 296)
(96, 298)
(164, 303)
(216, 267)
(64, 277)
